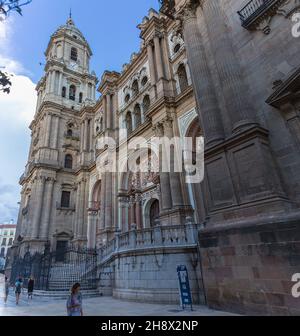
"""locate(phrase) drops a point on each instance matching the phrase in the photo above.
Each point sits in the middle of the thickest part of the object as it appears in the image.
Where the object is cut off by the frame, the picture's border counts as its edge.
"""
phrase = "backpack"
(18, 286)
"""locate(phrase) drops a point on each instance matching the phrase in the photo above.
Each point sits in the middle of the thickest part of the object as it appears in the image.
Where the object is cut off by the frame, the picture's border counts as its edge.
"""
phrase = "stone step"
(59, 295)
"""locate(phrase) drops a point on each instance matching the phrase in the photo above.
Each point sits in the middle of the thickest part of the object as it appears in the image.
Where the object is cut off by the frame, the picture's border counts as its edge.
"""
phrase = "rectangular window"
(65, 199)
(4, 242)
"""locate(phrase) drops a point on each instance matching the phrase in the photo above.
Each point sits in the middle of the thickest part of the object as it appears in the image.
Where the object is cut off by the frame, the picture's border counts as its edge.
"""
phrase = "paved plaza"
(102, 306)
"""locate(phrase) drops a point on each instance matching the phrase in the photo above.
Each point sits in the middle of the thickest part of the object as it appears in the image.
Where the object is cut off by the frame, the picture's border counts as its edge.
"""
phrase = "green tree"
(6, 7)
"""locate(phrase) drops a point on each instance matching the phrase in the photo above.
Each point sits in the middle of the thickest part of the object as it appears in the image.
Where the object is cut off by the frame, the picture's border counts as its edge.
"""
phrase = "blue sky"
(111, 29)
(109, 26)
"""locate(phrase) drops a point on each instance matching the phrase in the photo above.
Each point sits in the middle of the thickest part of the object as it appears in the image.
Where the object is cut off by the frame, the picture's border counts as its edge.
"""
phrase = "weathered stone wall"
(249, 269)
(151, 276)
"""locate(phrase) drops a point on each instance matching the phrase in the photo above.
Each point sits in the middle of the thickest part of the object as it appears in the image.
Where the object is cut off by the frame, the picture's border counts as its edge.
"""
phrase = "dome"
(70, 29)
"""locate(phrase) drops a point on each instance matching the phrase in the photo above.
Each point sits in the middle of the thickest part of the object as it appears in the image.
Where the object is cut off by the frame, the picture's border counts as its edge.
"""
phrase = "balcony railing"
(256, 9)
(167, 8)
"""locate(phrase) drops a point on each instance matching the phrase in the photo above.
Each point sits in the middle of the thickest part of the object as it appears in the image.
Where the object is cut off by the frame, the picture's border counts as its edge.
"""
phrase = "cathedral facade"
(203, 70)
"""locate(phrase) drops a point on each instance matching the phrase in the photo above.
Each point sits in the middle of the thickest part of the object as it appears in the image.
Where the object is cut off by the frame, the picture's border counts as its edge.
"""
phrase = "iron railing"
(254, 9)
(167, 8)
(75, 265)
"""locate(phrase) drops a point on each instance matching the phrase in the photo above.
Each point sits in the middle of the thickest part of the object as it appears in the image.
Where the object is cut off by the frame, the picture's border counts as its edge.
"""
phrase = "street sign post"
(184, 287)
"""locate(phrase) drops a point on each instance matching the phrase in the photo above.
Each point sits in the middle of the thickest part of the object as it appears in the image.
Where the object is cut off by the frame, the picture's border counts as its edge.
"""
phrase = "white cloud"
(16, 112)
(20, 104)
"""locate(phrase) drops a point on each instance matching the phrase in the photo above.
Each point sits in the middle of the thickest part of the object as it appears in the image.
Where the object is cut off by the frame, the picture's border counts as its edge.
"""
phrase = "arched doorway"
(154, 213)
(94, 214)
(151, 212)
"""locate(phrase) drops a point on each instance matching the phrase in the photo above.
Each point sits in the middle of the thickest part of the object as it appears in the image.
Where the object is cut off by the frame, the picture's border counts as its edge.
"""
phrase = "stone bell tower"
(60, 135)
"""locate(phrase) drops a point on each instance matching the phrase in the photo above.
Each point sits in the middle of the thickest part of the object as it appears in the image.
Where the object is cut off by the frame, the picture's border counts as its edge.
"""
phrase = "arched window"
(129, 122)
(72, 93)
(80, 97)
(69, 133)
(101, 124)
(182, 77)
(177, 48)
(64, 92)
(137, 115)
(68, 161)
(135, 88)
(127, 98)
(144, 80)
(74, 54)
(146, 103)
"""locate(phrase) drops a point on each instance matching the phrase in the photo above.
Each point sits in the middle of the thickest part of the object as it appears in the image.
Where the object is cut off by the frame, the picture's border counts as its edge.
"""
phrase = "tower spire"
(70, 19)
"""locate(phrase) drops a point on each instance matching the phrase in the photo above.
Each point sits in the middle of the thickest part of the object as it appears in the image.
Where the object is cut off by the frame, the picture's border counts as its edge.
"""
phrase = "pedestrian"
(30, 288)
(18, 289)
(74, 303)
(6, 289)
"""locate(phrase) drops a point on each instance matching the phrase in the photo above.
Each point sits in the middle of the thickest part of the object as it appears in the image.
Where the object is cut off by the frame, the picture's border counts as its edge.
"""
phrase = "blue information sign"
(184, 286)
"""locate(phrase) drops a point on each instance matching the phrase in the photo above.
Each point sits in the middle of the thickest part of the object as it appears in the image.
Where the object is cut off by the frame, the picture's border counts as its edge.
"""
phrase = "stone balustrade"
(157, 237)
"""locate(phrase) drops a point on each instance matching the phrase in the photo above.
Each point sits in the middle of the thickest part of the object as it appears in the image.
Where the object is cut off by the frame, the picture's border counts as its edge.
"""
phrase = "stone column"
(56, 132)
(83, 209)
(52, 77)
(82, 137)
(175, 181)
(151, 63)
(47, 209)
(208, 108)
(138, 214)
(91, 230)
(104, 113)
(39, 204)
(229, 69)
(85, 137)
(91, 135)
(59, 89)
(78, 210)
(108, 111)
(115, 109)
(48, 130)
(132, 212)
(103, 200)
(166, 200)
(108, 201)
(158, 57)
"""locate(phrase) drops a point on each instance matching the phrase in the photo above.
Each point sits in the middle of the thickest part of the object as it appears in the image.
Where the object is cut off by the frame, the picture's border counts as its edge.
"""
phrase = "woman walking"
(6, 289)
(30, 288)
(18, 289)
(74, 303)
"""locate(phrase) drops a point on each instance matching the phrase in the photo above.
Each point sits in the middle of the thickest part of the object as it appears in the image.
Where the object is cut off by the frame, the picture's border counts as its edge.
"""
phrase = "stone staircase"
(63, 277)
